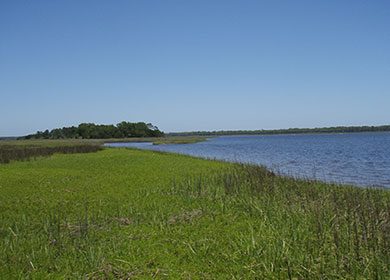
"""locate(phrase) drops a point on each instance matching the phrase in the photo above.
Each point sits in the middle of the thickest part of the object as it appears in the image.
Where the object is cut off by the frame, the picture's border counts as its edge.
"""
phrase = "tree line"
(337, 129)
(99, 131)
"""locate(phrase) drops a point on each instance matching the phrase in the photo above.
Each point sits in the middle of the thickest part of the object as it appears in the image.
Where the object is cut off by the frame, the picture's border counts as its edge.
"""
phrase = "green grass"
(49, 143)
(122, 213)
(11, 150)
(23, 150)
(70, 142)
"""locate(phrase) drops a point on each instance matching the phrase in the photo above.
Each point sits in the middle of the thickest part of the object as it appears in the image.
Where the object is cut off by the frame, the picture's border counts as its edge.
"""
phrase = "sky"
(194, 65)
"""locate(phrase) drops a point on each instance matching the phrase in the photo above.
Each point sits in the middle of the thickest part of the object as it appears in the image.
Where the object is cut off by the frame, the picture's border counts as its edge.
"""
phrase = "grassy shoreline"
(67, 142)
(127, 213)
(11, 150)
(161, 140)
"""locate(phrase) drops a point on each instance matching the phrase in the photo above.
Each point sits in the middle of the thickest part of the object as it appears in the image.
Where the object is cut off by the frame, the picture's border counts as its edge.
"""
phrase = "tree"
(102, 131)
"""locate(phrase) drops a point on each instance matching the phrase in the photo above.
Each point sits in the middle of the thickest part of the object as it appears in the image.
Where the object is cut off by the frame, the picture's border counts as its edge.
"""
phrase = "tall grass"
(122, 214)
(326, 231)
(9, 153)
(29, 149)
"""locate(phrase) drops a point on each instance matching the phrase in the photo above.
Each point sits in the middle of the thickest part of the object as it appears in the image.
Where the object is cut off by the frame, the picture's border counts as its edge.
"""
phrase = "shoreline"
(291, 177)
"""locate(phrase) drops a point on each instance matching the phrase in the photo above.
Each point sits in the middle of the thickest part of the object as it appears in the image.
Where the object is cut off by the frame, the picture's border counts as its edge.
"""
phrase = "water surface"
(353, 158)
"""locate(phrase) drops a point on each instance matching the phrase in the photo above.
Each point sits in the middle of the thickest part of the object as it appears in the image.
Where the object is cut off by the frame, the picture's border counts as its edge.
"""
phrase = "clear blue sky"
(194, 65)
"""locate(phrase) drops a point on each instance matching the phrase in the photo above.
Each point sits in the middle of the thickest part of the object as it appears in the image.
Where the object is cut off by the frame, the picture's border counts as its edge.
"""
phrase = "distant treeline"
(99, 131)
(337, 129)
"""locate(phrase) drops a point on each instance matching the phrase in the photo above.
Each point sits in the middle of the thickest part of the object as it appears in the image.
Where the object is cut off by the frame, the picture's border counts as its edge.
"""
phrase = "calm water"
(357, 158)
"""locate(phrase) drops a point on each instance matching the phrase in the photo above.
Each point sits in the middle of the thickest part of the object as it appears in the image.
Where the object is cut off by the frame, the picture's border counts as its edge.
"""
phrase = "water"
(354, 158)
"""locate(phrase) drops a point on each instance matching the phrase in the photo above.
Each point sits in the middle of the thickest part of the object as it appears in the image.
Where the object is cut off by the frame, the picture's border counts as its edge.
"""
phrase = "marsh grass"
(19, 150)
(124, 214)
(160, 140)
(9, 153)
(178, 140)
(326, 231)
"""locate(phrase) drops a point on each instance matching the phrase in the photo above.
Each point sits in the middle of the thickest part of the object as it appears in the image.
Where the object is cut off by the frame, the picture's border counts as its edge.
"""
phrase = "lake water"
(353, 158)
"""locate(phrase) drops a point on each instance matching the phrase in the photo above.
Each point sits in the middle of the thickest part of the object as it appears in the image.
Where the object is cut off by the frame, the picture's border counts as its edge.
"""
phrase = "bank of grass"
(179, 140)
(71, 142)
(162, 140)
(121, 213)
(26, 150)
(30, 149)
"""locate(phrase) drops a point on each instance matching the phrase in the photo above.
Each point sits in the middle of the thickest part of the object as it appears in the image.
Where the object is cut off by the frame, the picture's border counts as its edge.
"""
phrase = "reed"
(329, 229)
(9, 153)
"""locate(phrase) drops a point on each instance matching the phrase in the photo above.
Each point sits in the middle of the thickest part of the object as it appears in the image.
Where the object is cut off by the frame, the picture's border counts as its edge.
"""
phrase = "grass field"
(122, 213)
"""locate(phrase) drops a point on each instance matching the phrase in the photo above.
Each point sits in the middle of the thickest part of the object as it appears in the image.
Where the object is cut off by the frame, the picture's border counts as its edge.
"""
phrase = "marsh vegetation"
(122, 213)
(17, 151)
